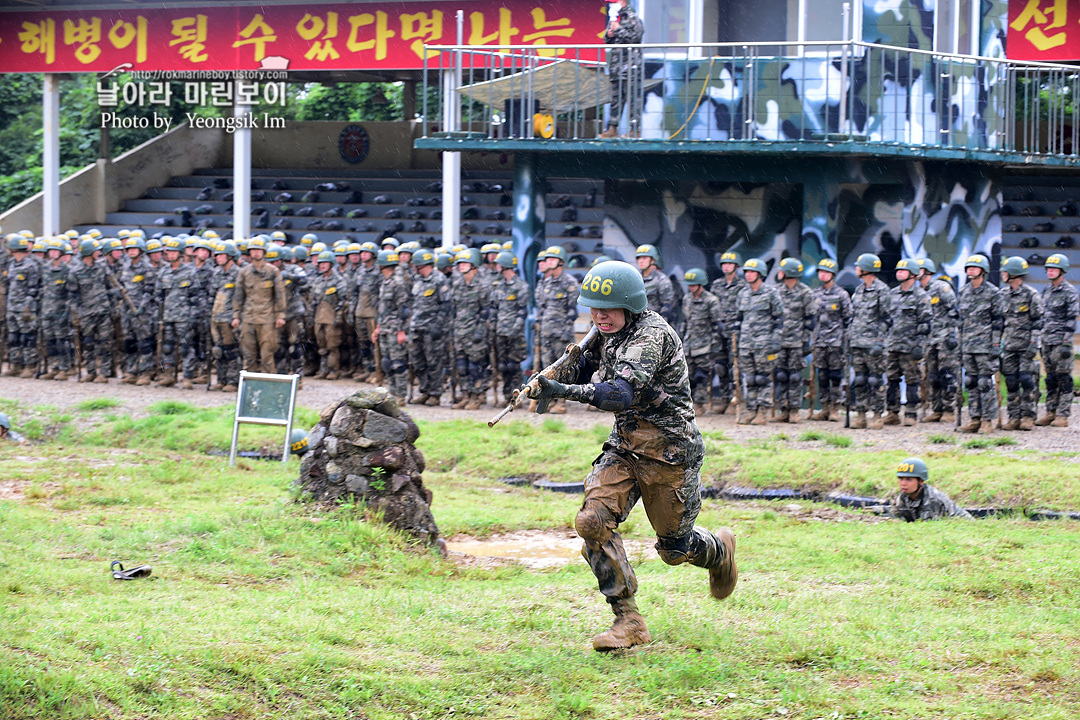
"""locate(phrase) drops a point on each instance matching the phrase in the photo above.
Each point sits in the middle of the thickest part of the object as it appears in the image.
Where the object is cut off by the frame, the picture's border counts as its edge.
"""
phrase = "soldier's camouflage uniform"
(556, 311)
(472, 311)
(511, 300)
(761, 324)
(703, 332)
(660, 293)
(328, 292)
(654, 453)
(90, 298)
(225, 337)
(981, 313)
(727, 294)
(393, 317)
(291, 335)
(139, 325)
(56, 326)
(830, 337)
(1061, 308)
(176, 290)
(942, 355)
(366, 284)
(905, 345)
(931, 504)
(800, 312)
(430, 317)
(1019, 344)
(204, 275)
(869, 327)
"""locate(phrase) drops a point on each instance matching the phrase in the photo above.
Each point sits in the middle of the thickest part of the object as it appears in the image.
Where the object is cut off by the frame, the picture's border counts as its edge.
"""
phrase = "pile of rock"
(363, 448)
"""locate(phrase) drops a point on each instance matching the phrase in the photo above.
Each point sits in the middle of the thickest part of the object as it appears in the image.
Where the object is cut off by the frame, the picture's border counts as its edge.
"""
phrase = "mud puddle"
(535, 549)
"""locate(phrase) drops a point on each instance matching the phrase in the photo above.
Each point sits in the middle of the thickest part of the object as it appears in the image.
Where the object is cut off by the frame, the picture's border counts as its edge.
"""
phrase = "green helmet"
(731, 257)
(153, 246)
(256, 243)
(341, 250)
(599, 259)
(978, 261)
(4, 422)
(508, 245)
(423, 257)
(913, 467)
(926, 264)
(1057, 260)
(648, 251)
(300, 253)
(868, 263)
(490, 248)
(285, 254)
(88, 248)
(392, 242)
(325, 256)
(757, 266)
(791, 267)
(176, 244)
(614, 284)
(444, 261)
(273, 252)
(369, 247)
(1015, 266)
(309, 239)
(277, 235)
(229, 248)
(468, 255)
(134, 241)
(318, 248)
(507, 260)
(298, 442)
(409, 247)
(696, 276)
(354, 248)
(110, 244)
(910, 265)
(19, 243)
(828, 265)
(387, 258)
(558, 252)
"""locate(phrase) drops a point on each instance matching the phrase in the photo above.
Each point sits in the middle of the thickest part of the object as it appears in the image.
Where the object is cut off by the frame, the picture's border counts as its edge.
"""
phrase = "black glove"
(805, 349)
(917, 352)
(952, 342)
(1066, 352)
(877, 350)
(547, 388)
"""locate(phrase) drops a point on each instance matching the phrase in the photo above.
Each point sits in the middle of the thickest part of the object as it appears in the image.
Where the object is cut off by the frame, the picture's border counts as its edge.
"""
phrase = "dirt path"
(317, 394)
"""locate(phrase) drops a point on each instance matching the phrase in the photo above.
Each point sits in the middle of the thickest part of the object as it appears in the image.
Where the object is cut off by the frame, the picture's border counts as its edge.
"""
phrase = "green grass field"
(260, 607)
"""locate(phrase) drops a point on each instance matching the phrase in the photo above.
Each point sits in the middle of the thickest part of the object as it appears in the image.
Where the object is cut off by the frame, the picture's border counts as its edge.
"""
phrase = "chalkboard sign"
(264, 399)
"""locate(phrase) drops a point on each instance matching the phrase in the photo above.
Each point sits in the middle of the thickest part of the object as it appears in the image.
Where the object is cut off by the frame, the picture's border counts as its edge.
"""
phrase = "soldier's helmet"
(369, 247)
(285, 253)
(29, 235)
(696, 276)
(731, 257)
(614, 284)
(1015, 266)
(341, 250)
(300, 253)
(468, 255)
(868, 263)
(409, 247)
(4, 422)
(94, 233)
(136, 231)
(298, 442)
(910, 265)
(978, 261)
(392, 242)
(318, 248)
(19, 243)
(927, 264)
(507, 260)
(276, 235)
(88, 247)
(508, 245)
(1057, 260)
(110, 244)
(444, 260)
(273, 252)
(354, 248)
(423, 257)
(490, 248)
(122, 233)
(387, 258)
(256, 243)
(175, 244)
(212, 235)
(136, 242)
(326, 256)
(828, 265)
(648, 251)
(558, 252)
(229, 248)
(792, 267)
(153, 246)
(599, 259)
(309, 239)
(455, 249)
(757, 266)
(913, 467)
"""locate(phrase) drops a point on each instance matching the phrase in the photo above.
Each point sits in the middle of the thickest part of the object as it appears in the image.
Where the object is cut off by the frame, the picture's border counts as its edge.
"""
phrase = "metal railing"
(805, 92)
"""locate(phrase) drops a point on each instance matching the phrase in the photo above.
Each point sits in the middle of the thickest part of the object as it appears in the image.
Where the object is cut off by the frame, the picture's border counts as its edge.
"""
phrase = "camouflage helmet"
(1015, 266)
(298, 441)
(387, 258)
(326, 256)
(599, 259)
(468, 255)
(868, 263)
(913, 467)
(444, 260)
(88, 247)
(175, 244)
(391, 241)
(558, 252)
(756, 265)
(696, 276)
(369, 247)
(19, 243)
(978, 261)
(926, 264)
(507, 260)
(423, 257)
(153, 246)
(731, 257)
(907, 264)
(828, 265)
(309, 239)
(791, 267)
(1059, 261)
(614, 284)
(300, 253)
(136, 242)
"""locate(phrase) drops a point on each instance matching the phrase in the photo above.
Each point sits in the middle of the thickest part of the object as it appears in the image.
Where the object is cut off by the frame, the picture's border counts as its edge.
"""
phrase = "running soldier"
(830, 340)
(176, 290)
(392, 323)
(981, 315)
(908, 336)
(511, 299)
(226, 348)
(869, 327)
(90, 298)
(471, 314)
(1060, 304)
(726, 289)
(800, 314)
(1019, 344)
(703, 333)
(328, 298)
(942, 363)
(657, 285)
(556, 311)
(761, 325)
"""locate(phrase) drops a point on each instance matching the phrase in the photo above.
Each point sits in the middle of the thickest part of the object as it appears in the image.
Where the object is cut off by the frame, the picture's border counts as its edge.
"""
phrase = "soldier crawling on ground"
(6, 433)
(919, 501)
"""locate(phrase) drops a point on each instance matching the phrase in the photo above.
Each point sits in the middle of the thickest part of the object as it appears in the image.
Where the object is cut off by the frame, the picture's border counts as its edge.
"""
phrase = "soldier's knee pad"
(874, 381)
(700, 376)
(836, 377)
(1027, 381)
(1051, 383)
(476, 371)
(14, 339)
(722, 371)
(782, 376)
(1012, 382)
(29, 340)
(131, 345)
(674, 551)
(386, 364)
(761, 380)
(462, 366)
(398, 366)
(935, 380)
(823, 380)
(217, 352)
(971, 382)
(593, 522)
(147, 346)
(859, 381)
(1065, 382)
(986, 383)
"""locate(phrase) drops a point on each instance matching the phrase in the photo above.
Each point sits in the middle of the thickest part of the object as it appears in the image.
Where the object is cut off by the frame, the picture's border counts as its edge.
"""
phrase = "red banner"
(354, 36)
(1043, 30)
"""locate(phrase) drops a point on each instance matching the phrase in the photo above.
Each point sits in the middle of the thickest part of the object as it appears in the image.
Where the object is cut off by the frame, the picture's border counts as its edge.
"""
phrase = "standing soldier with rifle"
(654, 452)
(800, 314)
(23, 303)
(366, 281)
(429, 318)
(226, 345)
(942, 367)
(1019, 344)
(471, 312)
(136, 296)
(830, 339)
(908, 335)
(90, 300)
(703, 331)
(55, 314)
(1059, 299)
(511, 299)
(982, 321)
(761, 323)
(658, 287)
(393, 321)
(869, 327)
(176, 289)
(726, 289)
(556, 310)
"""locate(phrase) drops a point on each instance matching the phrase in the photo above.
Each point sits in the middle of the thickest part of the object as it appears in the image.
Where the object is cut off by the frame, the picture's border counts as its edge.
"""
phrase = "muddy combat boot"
(462, 402)
(1060, 421)
(723, 577)
(63, 375)
(475, 401)
(972, 426)
(748, 418)
(559, 408)
(144, 379)
(323, 369)
(910, 419)
(891, 418)
(128, 379)
(699, 409)
(47, 376)
(13, 370)
(186, 384)
(859, 423)
(761, 418)
(102, 379)
(27, 372)
(987, 427)
(948, 417)
(232, 388)
(87, 378)
(1027, 423)
(877, 423)
(720, 406)
(793, 418)
(420, 399)
(782, 417)
(168, 378)
(433, 401)
(361, 375)
(627, 631)
(1045, 419)
(1013, 424)
(933, 417)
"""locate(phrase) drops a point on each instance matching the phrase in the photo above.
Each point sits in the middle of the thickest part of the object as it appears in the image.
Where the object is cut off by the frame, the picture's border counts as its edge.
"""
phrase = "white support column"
(451, 184)
(241, 174)
(50, 160)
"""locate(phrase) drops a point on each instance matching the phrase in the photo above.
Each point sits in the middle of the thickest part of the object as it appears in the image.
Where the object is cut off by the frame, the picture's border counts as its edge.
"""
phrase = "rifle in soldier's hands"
(560, 371)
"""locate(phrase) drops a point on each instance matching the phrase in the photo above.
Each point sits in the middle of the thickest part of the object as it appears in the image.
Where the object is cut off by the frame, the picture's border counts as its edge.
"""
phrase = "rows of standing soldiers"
(180, 310)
